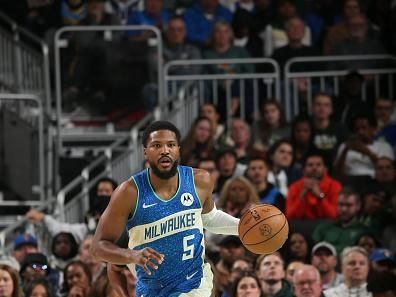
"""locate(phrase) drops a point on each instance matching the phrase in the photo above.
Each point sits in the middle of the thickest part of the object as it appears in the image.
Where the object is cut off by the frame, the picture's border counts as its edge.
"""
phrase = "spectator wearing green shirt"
(346, 229)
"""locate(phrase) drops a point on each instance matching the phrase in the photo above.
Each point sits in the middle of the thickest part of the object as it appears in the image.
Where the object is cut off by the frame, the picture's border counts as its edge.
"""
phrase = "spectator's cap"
(323, 245)
(10, 261)
(24, 239)
(378, 255)
(230, 240)
(36, 261)
(225, 150)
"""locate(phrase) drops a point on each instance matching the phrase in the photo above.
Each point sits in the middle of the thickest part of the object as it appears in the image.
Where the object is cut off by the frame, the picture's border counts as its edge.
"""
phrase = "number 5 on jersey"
(188, 250)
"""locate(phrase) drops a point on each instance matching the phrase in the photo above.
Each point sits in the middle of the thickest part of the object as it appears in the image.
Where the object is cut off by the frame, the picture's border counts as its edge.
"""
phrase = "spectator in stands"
(153, 14)
(222, 48)
(385, 174)
(241, 265)
(315, 195)
(35, 266)
(200, 20)
(42, 16)
(39, 288)
(297, 248)
(98, 203)
(382, 260)
(272, 126)
(263, 15)
(355, 268)
(209, 164)
(356, 157)
(282, 173)
(328, 134)
(373, 214)
(339, 31)
(245, 34)
(85, 256)
(369, 241)
(226, 162)
(324, 258)
(176, 47)
(257, 172)
(358, 43)
(275, 35)
(247, 284)
(210, 111)
(306, 282)
(76, 274)
(382, 284)
(64, 250)
(231, 249)
(346, 230)
(198, 143)
(237, 195)
(295, 30)
(73, 12)
(121, 9)
(389, 235)
(302, 136)
(271, 272)
(241, 137)
(24, 244)
(9, 283)
(350, 101)
(291, 269)
(383, 109)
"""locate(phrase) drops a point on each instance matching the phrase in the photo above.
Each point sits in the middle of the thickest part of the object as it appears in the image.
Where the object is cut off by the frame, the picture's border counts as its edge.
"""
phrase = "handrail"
(57, 39)
(291, 92)
(20, 33)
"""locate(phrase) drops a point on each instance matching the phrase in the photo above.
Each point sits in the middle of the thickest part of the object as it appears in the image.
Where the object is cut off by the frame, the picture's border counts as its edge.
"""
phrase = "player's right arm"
(110, 227)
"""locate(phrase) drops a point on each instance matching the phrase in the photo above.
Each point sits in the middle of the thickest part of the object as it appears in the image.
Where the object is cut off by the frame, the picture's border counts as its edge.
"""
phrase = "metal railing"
(62, 41)
(207, 84)
(24, 68)
(122, 159)
(328, 77)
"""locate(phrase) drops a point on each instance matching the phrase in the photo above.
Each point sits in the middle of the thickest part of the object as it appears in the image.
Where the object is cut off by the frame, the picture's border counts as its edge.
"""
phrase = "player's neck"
(164, 188)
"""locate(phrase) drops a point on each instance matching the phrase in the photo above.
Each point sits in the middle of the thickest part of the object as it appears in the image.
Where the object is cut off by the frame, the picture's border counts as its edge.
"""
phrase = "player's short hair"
(159, 125)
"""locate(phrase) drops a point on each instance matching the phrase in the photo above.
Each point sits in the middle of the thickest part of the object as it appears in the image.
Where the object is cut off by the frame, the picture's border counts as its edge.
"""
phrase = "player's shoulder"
(202, 177)
(127, 187)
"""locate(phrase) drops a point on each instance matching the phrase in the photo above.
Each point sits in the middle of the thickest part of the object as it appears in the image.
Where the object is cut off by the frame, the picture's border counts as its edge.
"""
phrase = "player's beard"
(164, 174)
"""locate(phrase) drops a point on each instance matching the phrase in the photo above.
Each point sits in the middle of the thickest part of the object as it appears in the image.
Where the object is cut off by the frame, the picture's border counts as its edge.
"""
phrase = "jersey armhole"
(133, 212)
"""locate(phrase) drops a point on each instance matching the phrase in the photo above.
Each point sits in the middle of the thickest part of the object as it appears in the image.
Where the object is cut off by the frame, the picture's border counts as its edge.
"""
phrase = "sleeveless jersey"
(172, 227)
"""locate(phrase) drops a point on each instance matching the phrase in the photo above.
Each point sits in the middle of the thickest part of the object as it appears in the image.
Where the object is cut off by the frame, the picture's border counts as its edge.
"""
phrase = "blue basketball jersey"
(172, 227)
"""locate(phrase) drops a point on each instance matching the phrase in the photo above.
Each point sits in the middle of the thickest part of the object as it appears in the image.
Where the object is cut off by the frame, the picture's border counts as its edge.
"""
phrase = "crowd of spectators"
(106, 71)
(337, 191)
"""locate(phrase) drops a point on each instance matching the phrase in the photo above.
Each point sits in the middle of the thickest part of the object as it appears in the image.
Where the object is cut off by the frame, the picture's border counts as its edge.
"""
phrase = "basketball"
(263, 229)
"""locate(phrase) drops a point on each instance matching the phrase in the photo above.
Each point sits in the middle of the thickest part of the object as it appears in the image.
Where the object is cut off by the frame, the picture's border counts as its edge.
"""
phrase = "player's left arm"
(214, 220)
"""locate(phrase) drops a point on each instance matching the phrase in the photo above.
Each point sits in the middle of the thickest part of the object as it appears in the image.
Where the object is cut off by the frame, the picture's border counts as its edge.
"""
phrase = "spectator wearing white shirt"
(357, 156)
(355, 268)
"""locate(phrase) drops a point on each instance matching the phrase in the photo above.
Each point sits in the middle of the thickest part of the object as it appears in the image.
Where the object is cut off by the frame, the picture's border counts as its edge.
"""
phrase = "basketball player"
(170, 205)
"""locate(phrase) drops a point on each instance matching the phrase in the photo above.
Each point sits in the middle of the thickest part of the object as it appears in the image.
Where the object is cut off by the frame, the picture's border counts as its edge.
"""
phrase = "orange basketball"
(263, 229)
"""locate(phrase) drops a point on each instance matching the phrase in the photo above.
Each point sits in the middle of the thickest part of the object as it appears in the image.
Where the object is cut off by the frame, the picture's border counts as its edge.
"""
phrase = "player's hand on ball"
(146, 258)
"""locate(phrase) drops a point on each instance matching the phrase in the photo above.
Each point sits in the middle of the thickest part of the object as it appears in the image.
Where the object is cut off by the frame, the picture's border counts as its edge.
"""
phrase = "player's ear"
(145, 152)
